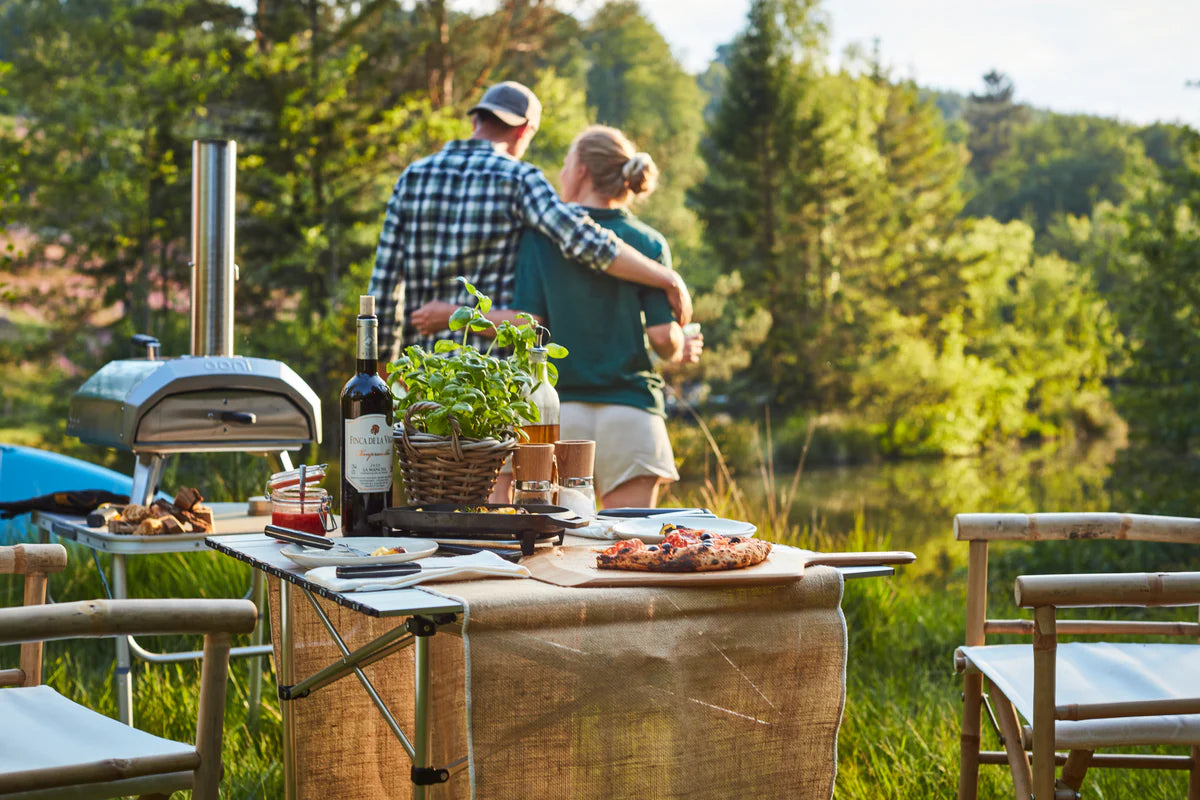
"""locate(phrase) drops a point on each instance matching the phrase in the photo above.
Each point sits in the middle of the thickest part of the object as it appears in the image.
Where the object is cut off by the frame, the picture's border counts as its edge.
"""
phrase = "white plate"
(313, 557)
(647, 528)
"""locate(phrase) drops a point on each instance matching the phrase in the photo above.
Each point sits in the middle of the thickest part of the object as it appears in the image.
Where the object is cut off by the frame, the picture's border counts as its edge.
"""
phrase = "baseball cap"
(513, 104)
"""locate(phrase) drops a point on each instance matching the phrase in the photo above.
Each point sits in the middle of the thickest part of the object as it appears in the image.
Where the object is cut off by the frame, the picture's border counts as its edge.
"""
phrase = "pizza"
(685, 550)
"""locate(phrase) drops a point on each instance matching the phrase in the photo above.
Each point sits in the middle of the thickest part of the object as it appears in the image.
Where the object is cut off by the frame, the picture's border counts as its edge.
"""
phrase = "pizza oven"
(210, 400)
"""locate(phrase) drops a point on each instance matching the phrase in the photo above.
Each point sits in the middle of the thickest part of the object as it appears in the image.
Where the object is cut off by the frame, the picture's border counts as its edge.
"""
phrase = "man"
(461, 212)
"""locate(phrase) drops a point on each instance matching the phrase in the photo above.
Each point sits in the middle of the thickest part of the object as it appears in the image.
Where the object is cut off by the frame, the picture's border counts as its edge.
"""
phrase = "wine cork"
(366, 305)
(576, 458)
(534, 462)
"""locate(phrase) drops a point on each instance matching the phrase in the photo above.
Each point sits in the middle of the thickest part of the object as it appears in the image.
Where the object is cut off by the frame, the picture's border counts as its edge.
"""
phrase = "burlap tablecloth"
(593, 693)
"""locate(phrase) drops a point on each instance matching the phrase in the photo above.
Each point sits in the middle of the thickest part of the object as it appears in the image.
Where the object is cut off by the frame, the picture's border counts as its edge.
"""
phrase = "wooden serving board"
(576, 567)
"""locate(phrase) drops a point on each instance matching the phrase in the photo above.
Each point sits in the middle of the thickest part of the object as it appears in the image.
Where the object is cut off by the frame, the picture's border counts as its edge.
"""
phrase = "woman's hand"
(693, 346)
(433, 317)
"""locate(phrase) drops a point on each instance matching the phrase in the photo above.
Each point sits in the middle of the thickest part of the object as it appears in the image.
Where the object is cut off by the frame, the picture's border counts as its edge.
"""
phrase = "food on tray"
(134, 513)
(187, 514)
(388, 551)
(486, 510)
(685, 550)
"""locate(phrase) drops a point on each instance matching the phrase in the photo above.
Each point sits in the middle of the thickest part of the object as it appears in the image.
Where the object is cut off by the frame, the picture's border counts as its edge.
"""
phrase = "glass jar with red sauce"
(308, 511)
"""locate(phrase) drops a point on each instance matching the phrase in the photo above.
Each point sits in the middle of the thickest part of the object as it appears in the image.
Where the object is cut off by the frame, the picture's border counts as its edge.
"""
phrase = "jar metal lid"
(579, 482)
(534, 486)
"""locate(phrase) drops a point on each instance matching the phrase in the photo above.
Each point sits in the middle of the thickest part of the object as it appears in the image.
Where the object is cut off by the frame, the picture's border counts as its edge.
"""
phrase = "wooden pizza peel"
(575, 566)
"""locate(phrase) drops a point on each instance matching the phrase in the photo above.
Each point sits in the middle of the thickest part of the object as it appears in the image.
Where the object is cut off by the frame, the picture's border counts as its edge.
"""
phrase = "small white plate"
(313, 557)
(648, 528)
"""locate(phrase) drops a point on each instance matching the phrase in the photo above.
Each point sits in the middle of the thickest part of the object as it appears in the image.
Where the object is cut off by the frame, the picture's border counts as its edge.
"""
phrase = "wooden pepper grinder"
(533, 474)
(576, 464)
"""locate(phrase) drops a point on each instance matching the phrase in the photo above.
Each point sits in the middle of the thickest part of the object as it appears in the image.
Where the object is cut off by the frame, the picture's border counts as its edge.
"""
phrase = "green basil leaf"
(460, 318)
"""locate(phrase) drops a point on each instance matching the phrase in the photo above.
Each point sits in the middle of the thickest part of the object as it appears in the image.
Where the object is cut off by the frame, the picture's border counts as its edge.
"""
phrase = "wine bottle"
(366, 432)
(545, 398)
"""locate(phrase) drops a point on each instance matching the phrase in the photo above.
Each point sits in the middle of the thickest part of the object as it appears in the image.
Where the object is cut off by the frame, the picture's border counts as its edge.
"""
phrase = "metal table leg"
(123, 677)
(420, 737)
(287, 678)
(254, 684)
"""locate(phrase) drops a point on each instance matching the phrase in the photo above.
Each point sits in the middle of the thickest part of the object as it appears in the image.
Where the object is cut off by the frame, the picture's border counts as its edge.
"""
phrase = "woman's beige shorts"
(630, 442)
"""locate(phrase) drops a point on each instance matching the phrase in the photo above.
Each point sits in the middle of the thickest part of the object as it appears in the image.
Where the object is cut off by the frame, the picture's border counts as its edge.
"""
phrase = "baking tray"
(448, 521)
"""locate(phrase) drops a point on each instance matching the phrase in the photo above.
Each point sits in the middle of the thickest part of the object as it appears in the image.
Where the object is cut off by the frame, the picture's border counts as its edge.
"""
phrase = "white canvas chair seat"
(45, 732)
(54, 749)
(1103, 672)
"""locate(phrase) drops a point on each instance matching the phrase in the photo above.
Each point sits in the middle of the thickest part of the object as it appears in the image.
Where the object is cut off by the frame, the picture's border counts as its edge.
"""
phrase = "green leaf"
(485, 304)
(461, 318)
(556, 350)
(470, 287)
(445, 346)
(481, 324)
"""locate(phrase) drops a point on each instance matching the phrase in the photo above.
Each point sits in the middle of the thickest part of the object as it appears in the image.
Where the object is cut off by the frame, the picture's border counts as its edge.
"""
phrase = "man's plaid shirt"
(461, 212)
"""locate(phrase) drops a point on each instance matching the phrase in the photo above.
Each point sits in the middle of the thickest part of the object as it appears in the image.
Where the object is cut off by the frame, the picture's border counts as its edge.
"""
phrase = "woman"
(609, 389)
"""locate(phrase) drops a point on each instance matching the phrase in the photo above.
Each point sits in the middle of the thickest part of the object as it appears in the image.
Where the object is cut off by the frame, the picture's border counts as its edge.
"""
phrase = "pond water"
(912, 503)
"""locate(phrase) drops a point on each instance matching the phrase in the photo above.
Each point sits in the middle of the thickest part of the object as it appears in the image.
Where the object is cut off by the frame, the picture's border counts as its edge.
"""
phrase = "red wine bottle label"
(368, 446)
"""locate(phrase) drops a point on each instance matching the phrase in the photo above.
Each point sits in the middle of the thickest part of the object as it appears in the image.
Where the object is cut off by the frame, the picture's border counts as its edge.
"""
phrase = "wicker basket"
(447, 469)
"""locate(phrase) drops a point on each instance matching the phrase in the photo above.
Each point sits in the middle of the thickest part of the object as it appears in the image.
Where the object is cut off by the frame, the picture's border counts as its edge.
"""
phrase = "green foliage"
(1062, 164)
(1158, 279)
(929, 400)
(488, 396)
(635, 84)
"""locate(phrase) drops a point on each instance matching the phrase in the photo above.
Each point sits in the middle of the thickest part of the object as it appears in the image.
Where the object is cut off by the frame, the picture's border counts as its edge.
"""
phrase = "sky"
(1128, 59)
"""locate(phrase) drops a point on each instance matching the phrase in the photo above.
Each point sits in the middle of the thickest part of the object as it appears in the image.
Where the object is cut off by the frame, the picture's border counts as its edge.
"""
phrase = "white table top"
(228, 519)
(263, 552)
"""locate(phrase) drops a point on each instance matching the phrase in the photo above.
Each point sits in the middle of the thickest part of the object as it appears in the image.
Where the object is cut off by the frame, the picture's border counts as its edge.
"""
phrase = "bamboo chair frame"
(35, 622)
(1045, 594)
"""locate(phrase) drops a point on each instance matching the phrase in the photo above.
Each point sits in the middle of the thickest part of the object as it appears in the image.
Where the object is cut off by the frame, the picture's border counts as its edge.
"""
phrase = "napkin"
(596, 529)
(446, 568)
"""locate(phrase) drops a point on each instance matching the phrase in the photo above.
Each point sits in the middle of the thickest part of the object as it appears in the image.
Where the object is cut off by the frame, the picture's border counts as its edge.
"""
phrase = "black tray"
(446, 521)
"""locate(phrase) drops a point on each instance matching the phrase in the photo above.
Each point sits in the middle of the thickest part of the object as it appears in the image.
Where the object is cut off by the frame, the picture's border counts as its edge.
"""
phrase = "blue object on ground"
(27, 472)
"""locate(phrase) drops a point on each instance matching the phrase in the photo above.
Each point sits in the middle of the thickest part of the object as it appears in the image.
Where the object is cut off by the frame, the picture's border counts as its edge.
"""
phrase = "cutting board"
(576, 567)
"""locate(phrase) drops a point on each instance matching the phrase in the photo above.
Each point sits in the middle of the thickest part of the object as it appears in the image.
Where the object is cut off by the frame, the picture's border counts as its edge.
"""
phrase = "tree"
(994, 120)
(1157, 294)
(635, 83)
(756, 201)
(1063, 164)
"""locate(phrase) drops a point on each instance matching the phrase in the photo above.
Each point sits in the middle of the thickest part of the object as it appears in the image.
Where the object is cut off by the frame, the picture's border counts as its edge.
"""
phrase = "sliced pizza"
(685, 550)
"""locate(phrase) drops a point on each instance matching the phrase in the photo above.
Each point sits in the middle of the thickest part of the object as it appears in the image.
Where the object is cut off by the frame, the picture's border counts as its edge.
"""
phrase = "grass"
(899, 737)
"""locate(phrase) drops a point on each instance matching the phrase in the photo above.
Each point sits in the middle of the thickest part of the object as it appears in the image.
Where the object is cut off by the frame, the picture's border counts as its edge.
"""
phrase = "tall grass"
(900, 732)
(899, 736)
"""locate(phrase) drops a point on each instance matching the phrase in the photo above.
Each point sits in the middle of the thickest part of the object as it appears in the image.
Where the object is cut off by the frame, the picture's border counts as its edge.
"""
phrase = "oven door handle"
(239, 417)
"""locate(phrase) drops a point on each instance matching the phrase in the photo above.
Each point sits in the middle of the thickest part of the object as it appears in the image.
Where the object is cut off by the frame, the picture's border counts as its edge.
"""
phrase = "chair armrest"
(1076, 525)
(22, 559)
(89, 618)
(1143, 589)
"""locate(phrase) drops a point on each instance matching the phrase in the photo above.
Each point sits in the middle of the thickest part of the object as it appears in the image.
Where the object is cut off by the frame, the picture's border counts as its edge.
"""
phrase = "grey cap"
(513, 104)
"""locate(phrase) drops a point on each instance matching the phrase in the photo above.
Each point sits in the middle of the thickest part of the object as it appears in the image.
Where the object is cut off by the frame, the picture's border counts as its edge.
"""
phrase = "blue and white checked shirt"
(461, 211)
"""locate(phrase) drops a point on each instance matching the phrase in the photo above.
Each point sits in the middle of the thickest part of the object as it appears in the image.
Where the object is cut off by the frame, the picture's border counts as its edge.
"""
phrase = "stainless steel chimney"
(214, 167)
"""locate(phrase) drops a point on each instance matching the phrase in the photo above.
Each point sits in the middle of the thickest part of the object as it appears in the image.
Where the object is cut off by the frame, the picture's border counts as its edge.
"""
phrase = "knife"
(311, 540)
(465, 550)
(380, 570)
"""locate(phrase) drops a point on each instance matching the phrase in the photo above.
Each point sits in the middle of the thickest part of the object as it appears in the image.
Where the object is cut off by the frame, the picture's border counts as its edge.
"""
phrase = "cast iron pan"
(448, 521)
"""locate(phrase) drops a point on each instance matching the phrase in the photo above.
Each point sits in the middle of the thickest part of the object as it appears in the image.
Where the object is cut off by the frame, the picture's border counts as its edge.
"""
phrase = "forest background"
(899, 271)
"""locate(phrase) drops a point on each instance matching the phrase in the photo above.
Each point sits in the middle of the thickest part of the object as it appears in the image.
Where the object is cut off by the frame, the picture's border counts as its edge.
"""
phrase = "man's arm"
(630, 265)
(582, 240)
(387, 279)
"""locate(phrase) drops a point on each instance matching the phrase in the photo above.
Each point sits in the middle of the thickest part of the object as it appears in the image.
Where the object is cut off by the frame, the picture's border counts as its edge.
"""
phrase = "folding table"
(228, 519)
(418, 614)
